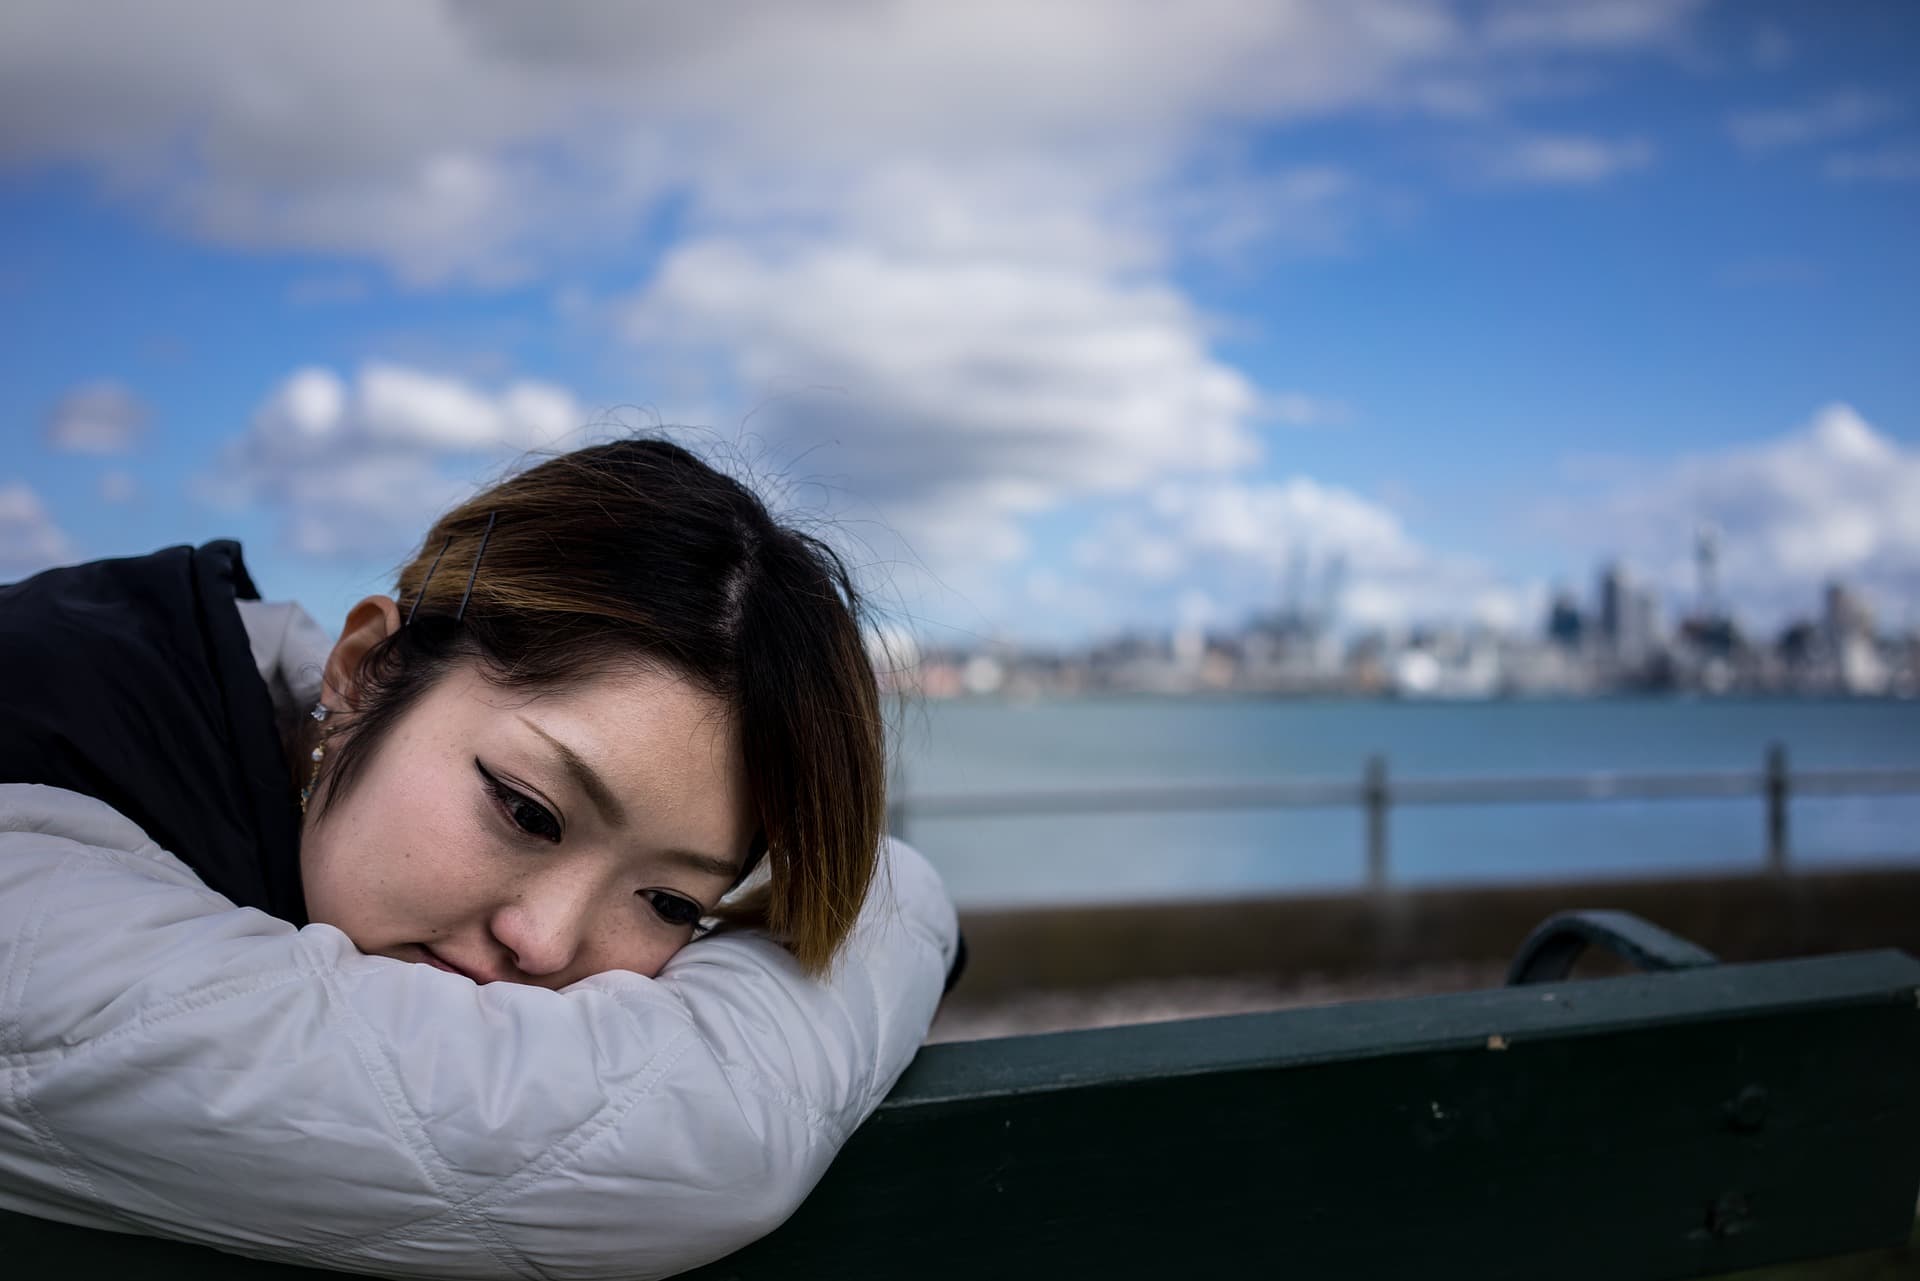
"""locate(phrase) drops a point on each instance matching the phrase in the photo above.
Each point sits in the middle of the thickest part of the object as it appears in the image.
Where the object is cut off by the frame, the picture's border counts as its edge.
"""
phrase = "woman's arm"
(177, 1066)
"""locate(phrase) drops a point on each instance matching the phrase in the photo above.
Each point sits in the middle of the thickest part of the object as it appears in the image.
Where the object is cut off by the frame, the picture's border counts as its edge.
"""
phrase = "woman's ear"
(368, 623)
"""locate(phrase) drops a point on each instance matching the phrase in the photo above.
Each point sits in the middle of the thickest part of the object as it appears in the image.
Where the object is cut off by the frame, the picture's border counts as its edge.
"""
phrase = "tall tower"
(1333, 582)
(1612, 605)
(1706, 564)
(1293, 590)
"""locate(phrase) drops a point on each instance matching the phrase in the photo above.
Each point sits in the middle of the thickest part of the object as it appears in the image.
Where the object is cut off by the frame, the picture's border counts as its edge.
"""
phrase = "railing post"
(1777, 808)
(1373, 795)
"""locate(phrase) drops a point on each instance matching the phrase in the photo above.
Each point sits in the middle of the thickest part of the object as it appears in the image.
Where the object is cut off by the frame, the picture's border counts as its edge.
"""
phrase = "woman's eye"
(531, 819)
(671, 908)
(526, 813)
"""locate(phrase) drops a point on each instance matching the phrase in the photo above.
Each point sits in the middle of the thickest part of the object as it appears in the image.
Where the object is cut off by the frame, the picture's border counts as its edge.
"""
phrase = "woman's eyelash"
(523, 811)
(671, 908)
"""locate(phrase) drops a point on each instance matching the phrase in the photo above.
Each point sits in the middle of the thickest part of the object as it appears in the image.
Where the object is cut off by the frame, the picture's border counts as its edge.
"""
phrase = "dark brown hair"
(637, 549)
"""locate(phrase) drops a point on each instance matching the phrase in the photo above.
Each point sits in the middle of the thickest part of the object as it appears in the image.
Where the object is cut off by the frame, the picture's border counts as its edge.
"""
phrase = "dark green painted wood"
(1666, 1125)
(1387, 1139)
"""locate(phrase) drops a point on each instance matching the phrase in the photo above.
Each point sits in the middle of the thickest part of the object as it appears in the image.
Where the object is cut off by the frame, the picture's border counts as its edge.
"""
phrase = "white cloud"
(96, 418)
(394, 406)
(482, 141)
(1770, 47)
(1838, 115)
(330, 290)
(1888, 164)
(971, 385)
(1565, 159)
(1246, 544)
(1835, 499)
(360, 468)
(1613, 24)
(29, 539)
(1298, 409)
(118, 486)
(1233, 215)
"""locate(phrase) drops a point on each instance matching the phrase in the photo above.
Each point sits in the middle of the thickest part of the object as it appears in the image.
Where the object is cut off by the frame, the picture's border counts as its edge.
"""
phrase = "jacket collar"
(134, 681)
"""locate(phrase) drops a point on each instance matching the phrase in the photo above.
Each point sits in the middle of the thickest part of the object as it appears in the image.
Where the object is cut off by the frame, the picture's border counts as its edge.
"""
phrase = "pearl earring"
(319, 713)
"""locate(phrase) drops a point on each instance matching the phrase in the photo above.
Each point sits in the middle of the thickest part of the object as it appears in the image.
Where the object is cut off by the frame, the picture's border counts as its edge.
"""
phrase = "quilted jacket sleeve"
(173, 1065)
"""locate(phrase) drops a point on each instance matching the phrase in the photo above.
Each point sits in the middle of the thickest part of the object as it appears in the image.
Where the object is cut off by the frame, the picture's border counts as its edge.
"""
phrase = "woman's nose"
(545, 926)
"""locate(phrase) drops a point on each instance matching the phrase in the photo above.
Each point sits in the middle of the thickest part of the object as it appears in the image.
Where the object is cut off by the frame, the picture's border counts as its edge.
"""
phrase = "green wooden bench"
(1689, 1121)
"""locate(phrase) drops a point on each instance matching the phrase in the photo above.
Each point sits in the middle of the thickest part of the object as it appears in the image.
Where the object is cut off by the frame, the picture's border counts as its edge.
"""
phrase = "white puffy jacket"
(174, 1065)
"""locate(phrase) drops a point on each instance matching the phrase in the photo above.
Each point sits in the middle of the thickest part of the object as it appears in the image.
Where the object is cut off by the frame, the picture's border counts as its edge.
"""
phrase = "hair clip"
(422, 593)
(475, 571)
(471, 574)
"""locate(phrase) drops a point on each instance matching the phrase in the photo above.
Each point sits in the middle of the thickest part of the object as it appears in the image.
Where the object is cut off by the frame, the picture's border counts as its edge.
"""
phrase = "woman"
(580, 827)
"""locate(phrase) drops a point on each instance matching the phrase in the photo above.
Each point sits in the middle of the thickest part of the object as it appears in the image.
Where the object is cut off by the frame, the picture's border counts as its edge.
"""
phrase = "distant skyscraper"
(1628, 616)
(1848, 627)
(1640, 624)
(1333, 584)
(1845, 614)
(1565, 624)
(1612, 606)
(1706, 563)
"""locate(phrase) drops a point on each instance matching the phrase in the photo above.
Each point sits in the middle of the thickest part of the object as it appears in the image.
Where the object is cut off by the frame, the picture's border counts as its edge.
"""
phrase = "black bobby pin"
(475, 571)
(422, 593)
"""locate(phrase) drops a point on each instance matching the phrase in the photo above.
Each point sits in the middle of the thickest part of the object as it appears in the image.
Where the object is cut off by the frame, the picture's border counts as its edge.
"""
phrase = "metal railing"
(1376, 794)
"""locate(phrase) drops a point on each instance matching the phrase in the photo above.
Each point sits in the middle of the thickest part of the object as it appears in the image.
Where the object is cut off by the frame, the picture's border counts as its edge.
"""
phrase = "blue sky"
(1074, 318)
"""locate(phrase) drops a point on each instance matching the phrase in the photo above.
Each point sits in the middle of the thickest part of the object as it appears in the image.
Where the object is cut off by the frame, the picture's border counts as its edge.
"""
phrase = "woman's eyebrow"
(721, 868)
(598, 792)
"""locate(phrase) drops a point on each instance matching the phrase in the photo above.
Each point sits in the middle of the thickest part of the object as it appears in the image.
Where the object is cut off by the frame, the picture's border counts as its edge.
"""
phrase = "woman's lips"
(440, 962)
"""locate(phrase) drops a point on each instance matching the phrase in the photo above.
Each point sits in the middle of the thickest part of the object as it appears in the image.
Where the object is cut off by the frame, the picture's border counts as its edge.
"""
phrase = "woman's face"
(530, 839)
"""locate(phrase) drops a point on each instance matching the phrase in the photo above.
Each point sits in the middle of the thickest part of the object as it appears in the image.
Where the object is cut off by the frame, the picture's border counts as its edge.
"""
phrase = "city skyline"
(1617, 641)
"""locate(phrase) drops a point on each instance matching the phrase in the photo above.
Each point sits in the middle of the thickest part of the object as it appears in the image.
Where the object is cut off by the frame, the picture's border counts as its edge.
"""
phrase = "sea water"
(998, 747)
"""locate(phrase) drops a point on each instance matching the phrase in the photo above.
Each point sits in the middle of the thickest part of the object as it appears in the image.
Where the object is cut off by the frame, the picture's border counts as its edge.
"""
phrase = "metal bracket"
(1550, 951)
